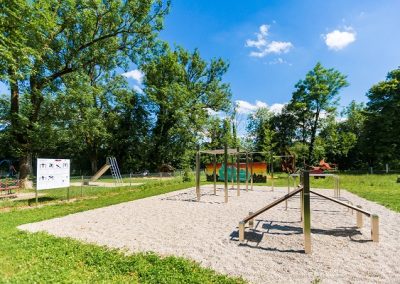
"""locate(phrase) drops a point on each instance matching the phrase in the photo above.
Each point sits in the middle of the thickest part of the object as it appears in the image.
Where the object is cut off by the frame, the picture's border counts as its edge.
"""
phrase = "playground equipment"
(288, 164)
(111, 163)
(322, 168)
(304, 190)
(226, 174)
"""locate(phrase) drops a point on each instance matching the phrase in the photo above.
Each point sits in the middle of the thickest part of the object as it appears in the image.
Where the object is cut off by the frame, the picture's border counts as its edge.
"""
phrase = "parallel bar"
(306, 212)
(342, 203)
(273, 204)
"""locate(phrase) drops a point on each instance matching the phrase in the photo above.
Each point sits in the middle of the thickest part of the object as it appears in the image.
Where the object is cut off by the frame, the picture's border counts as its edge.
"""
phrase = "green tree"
(182, 88)
(259, 128)
(65, 37)
(317, 94)
(382, 131)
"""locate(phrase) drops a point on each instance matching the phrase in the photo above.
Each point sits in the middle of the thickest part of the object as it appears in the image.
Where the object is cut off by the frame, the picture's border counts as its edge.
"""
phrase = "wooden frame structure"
(225, 152)
(304, 191)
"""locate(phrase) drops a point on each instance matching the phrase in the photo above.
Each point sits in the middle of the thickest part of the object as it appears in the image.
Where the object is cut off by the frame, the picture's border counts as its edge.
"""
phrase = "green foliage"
(382, 131)
(315, 95)
(259, 127)
(182, 88)
(54, 39)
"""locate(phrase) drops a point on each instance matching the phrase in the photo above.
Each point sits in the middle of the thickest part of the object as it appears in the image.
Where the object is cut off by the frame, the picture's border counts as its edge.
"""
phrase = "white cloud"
(279, 60)
(337, 40)
(244, 107)
(276, 108)
(138, 89)
(264, 47)
(136, 75)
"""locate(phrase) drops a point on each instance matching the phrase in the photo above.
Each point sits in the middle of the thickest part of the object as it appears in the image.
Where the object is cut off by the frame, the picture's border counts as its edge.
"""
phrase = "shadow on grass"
(41, 199)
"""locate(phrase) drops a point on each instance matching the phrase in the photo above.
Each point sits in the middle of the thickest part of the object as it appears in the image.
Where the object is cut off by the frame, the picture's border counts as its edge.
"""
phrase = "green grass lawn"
(41, 258)
(30, 258)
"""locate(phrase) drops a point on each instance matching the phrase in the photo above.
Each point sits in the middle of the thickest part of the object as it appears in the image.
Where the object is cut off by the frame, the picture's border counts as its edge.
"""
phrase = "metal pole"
(226, 172)
(307, 213)
(198, 173)
(247, 171)
(215, 174)
(238, 171)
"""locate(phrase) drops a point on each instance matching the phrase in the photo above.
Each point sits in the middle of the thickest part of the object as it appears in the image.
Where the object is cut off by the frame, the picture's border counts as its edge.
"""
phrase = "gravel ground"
(207, 232)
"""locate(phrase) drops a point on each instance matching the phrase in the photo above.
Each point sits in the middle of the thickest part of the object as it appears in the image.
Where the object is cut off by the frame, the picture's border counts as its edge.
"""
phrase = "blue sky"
(271, 44)
(364, 42)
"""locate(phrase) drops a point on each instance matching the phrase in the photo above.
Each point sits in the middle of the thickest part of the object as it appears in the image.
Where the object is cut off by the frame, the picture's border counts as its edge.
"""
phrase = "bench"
(7, 186)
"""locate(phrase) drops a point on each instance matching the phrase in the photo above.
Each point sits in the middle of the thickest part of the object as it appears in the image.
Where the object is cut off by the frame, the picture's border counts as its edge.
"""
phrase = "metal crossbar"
(342, 203)
(273, 204)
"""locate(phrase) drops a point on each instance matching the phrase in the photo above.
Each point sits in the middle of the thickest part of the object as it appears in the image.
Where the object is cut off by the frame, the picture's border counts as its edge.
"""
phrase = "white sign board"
(52, 173)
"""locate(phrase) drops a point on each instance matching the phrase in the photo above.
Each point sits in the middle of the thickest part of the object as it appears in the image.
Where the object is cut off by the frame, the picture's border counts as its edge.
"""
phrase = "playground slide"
(100, 172)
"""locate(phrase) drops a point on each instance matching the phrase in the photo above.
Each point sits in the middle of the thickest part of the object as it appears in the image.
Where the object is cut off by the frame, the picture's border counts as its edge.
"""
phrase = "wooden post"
(375, 228)
(272, 173)
(360, 220)
(238, 171)
(247, 171)
(215, 174)
(198, 173)
(251, 221)
(251, 173)
(288, 191)
(226, 172)
(307, 213)
(241, 231)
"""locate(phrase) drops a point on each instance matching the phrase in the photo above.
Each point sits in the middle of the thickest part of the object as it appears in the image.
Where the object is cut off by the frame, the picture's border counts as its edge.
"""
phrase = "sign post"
(52, 173)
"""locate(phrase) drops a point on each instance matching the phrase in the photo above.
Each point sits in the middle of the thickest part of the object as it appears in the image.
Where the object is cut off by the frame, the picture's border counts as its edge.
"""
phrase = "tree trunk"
(93, 162)
(312, 140)
(25, 169)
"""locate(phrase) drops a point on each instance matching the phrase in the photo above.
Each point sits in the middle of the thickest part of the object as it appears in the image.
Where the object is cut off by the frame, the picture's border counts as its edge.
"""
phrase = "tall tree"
(182, 87)
(259, 127)
(382, 131)
(64, 37)
(317, 94)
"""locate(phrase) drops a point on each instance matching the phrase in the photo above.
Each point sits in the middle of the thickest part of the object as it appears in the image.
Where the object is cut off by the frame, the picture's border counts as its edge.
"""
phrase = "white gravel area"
(207, 232)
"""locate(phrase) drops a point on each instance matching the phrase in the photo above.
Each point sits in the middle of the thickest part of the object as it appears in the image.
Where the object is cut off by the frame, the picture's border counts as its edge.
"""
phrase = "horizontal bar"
(342, 203)
(316, 175)
(269, 206)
